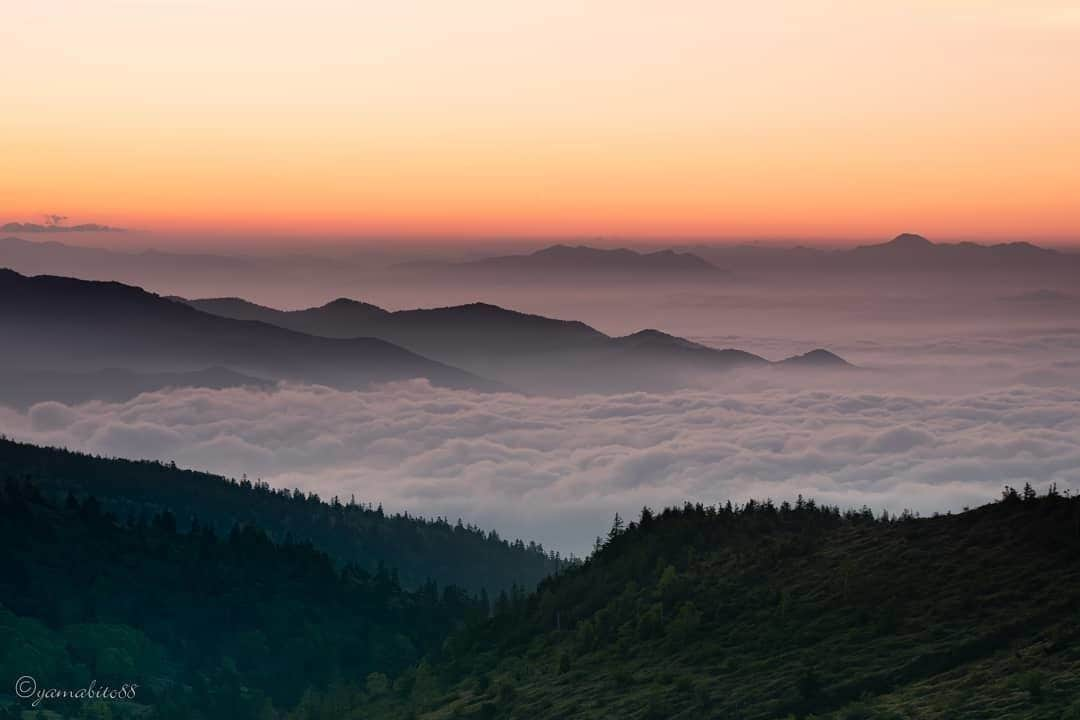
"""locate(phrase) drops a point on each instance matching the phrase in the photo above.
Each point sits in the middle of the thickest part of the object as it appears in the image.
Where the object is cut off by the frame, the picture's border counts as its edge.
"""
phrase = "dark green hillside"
(208, 626)
(768, 612)
(419, 549)
(760, 612)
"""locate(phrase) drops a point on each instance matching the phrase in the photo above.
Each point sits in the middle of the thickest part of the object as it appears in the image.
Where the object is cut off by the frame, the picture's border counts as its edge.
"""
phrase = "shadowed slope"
(65, 324)
(420, 549)
(526, 351)
(767, 612)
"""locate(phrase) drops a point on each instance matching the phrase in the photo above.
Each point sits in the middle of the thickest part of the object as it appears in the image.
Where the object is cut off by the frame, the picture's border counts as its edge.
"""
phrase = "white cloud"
(555, 470)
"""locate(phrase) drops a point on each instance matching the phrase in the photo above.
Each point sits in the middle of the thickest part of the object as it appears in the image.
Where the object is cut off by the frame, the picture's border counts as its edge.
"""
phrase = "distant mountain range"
(59, 324)
(529, 352)
(555, 266)
(906, 252)
(76, 340)
(563, 262)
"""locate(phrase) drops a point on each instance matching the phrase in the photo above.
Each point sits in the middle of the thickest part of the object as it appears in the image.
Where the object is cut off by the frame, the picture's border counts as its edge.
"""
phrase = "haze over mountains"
(701, 263)
(757, 302)
(67, 325)
(745, 296)
(905, 252)
(564, 263)
(678, 417)
(715, 262)
(540, 361)
(66, 328)
(525, 351)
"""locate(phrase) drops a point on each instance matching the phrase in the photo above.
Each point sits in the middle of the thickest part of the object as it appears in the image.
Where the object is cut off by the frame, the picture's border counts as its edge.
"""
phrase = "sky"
(488, 119)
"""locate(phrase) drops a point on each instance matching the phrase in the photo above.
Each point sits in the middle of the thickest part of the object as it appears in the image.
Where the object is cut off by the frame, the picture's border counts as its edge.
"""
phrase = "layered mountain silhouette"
(564, 262)
(474, 329)
(580, 267)
(916, 252)
(904, 252)
(65, 325)
(528, 352)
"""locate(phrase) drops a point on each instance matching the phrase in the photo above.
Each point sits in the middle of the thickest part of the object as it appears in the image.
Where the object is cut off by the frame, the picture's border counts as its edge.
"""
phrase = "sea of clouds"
(556, 470)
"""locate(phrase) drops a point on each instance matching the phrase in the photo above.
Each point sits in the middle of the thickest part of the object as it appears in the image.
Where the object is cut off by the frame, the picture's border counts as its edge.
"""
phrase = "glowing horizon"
(848, 121)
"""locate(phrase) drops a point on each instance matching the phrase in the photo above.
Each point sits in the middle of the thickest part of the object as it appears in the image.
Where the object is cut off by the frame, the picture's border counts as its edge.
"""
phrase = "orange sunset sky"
(954, 118)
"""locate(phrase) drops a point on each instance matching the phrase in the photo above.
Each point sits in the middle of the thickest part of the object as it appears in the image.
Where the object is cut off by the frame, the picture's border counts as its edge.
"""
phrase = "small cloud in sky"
(54, 223)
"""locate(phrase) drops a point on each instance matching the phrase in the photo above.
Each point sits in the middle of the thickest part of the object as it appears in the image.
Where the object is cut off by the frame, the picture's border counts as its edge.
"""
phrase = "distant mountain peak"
(656, 338)
(819, 357)
(484, 308)
(910, 240)
(344, 303)
(649, 334)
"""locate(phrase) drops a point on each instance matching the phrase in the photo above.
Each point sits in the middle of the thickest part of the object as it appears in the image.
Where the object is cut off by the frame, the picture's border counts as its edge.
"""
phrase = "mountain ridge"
(562, 261)
(904, 252)
(527, 351)
(66, 324)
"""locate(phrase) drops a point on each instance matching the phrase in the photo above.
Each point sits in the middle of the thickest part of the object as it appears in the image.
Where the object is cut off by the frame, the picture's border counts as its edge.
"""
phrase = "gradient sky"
(954, 118)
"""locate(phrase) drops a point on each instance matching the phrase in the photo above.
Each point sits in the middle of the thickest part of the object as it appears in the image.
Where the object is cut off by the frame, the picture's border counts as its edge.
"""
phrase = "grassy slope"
(771, 614)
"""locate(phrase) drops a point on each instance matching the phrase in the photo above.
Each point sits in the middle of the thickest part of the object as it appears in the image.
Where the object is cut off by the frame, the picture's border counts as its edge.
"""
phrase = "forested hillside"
(233, 626)
(350, 532)
(788, 611)
(757, 612)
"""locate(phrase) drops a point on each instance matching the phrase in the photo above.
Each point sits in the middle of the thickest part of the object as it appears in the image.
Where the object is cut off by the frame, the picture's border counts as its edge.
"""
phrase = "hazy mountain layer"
(68, 325)
(905, 252)
(559, 264)
(525, 351)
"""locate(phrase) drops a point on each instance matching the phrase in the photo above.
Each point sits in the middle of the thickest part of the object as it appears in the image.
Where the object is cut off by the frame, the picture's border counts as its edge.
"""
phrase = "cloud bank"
(556, 470)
